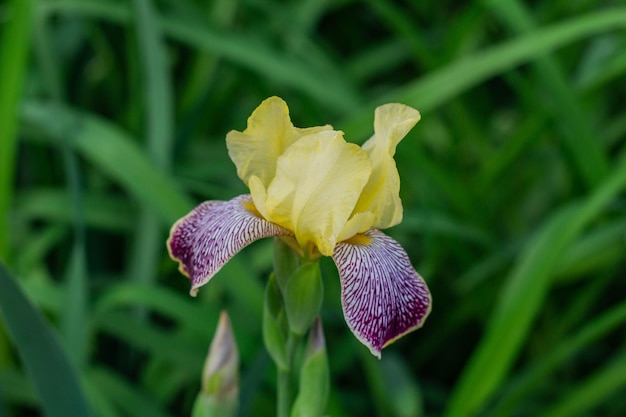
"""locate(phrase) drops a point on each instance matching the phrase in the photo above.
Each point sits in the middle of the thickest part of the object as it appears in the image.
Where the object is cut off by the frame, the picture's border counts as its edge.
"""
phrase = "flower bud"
(314, 377)
(218, 396)
(275, 324)
(286, 261)
(303, 297)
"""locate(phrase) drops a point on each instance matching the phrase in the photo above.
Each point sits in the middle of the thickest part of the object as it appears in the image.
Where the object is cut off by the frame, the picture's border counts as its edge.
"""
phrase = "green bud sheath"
(314, 377)
(275, 329)
(303, 297)
(212, 407)
(286, 261)
(220, 378)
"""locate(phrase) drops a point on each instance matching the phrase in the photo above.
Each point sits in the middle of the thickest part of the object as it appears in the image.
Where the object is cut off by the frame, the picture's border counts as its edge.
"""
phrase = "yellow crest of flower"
(314, 183)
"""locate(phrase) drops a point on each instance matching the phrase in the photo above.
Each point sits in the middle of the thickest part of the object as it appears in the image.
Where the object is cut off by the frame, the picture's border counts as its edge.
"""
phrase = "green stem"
(283, 393)
(285, 377)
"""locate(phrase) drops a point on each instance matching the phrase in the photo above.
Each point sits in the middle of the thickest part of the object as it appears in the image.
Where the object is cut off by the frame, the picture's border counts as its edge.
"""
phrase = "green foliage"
(314, 381)
(275, 327)
(303, 297)
(47, 363)
(113, 116)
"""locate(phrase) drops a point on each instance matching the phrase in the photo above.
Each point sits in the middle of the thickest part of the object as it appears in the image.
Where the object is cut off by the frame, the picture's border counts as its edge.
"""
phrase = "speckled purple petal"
(383, 297)
(212, 233)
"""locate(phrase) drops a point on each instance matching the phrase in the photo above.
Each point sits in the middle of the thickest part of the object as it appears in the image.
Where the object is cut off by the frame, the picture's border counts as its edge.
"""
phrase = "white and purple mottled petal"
(212, 233)
(382, 295)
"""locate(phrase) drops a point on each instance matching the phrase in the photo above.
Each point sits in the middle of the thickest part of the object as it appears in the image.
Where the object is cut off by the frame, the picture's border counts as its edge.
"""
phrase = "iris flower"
(324, 197)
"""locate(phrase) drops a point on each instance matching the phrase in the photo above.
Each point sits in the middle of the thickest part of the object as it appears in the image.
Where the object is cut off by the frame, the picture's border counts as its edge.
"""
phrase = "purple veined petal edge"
(212, 233)
(382, 296)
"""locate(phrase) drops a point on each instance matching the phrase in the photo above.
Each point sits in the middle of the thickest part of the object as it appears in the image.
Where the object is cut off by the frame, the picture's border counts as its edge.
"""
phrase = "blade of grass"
(47, 363)
(37, 246)
(73, 323)
(101, 211)
(13, 58)
(468, 26)
(182, 308)
(443, 180)
(531, 377)
(204, 65)
(599, 247)
(593, 391)
(16, 388)
(526, 135)
(438, 87)
(613, 68)
(128, 397)
(182, 352)
(377, 59)
(14, 44)
(74, 312)
(157, 104)
(115, 153)
(522, 295)
(99, 400)
(407, 30)
(243, 49)
(157, 91)
(579, 138)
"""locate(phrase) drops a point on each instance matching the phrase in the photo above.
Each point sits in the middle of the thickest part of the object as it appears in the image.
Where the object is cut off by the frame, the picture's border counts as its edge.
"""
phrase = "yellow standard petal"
(381, 195)
(317, 184)
(269, 132)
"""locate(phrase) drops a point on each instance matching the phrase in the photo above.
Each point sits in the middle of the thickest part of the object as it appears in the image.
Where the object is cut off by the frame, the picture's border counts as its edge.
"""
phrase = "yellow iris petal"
(358, 223)
(318, 181)
(381, 195)
(258, 192)
(268, 134)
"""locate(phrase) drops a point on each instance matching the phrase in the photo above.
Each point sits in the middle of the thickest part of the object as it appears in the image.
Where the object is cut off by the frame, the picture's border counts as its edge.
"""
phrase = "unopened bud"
(286, 261)
(316, 342)
(314, 377)
(303, 297)
(220, 378)
(275, 324)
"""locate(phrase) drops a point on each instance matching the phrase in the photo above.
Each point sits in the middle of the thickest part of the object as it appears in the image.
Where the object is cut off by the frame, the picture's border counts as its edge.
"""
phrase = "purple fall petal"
(383, 297)
(212, 233)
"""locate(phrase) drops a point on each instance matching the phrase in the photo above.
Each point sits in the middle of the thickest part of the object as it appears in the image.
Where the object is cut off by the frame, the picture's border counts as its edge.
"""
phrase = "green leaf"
(522, 297)
(286, 261)
(127, 396)
(593, 391)
(241, 48)
(102, 211)
(159, 134)
(303, 297)
(52, 372)
(579, 137)
(438, 87)
(114, 152)
(13, 59)
(530, 378)
(274, 324)
(314, 377)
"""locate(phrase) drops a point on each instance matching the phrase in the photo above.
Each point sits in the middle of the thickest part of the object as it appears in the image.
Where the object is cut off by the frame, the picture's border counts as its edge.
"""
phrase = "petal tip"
(212, 233)
(383, 297)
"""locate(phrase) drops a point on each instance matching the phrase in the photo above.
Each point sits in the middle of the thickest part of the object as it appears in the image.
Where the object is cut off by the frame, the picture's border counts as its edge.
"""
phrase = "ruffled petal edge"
(382, 296)
(212, 233)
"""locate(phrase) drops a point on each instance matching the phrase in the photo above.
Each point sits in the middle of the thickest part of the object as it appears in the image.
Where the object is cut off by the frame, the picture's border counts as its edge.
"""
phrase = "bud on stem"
(286, 261)
(303, 297)
(275, 329)
(218, 396)
(314, 377)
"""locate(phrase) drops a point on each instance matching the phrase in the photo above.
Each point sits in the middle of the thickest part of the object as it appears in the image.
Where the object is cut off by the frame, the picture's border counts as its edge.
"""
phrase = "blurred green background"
(113, 116)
